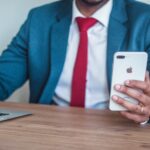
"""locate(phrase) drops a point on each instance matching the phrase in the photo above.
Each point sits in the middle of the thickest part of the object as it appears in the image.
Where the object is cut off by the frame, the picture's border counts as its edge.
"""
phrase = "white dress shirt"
(97, 94)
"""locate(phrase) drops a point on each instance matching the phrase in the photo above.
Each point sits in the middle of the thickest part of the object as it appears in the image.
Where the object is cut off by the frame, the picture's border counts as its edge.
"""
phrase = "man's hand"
(138, 113)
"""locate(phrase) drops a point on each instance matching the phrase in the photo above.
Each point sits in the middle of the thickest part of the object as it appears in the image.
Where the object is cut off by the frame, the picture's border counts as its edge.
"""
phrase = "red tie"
(80, 68)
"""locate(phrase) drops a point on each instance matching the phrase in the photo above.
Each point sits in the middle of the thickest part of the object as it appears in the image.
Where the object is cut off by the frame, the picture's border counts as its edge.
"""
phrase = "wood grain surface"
(59, 128)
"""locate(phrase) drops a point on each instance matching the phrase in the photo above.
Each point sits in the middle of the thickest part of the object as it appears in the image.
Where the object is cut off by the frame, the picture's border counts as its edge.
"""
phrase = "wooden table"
(57, 128)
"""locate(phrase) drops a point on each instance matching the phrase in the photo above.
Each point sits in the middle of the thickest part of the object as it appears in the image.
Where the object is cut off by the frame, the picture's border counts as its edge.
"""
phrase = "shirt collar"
(102, 15)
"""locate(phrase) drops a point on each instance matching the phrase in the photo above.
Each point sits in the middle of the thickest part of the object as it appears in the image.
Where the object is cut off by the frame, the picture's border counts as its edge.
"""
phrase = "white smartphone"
(127, 66)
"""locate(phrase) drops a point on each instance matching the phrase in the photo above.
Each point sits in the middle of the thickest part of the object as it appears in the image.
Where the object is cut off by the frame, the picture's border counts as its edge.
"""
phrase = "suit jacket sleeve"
(14, 62)
(147, 43)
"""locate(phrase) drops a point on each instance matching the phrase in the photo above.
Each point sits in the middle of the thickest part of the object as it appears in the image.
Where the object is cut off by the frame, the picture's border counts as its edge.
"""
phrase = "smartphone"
(127, 66)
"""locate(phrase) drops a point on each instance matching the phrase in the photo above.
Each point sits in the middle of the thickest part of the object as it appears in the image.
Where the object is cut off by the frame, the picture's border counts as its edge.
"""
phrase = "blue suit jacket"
(38, 51)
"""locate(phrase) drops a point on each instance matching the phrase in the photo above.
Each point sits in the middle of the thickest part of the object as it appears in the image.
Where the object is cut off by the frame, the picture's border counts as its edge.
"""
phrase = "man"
(65, 49)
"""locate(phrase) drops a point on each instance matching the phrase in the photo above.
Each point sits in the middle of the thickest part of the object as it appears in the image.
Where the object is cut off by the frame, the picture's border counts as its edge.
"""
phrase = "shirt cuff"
(145, 122)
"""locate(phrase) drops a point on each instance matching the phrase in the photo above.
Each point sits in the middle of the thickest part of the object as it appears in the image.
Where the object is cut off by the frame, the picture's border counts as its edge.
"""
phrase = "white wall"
(146, 1)
(12, 15)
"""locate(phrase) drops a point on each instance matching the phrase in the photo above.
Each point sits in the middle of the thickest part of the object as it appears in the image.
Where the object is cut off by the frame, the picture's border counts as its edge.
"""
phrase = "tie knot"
(85, 23)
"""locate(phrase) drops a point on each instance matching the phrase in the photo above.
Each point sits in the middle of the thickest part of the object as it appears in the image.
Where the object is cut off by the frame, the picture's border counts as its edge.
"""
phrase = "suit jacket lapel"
(59, 38)
(116, 34)
(58, 47)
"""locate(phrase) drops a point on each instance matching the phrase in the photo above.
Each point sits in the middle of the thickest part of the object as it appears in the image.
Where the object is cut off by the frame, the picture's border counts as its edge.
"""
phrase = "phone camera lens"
(120, 57)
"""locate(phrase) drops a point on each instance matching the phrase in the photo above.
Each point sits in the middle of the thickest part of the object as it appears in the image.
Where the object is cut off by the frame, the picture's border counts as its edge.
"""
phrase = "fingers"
(147, 77)
(134, 117)
(142, 85)
(138, 95)
(139, 90)
(138, 109)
